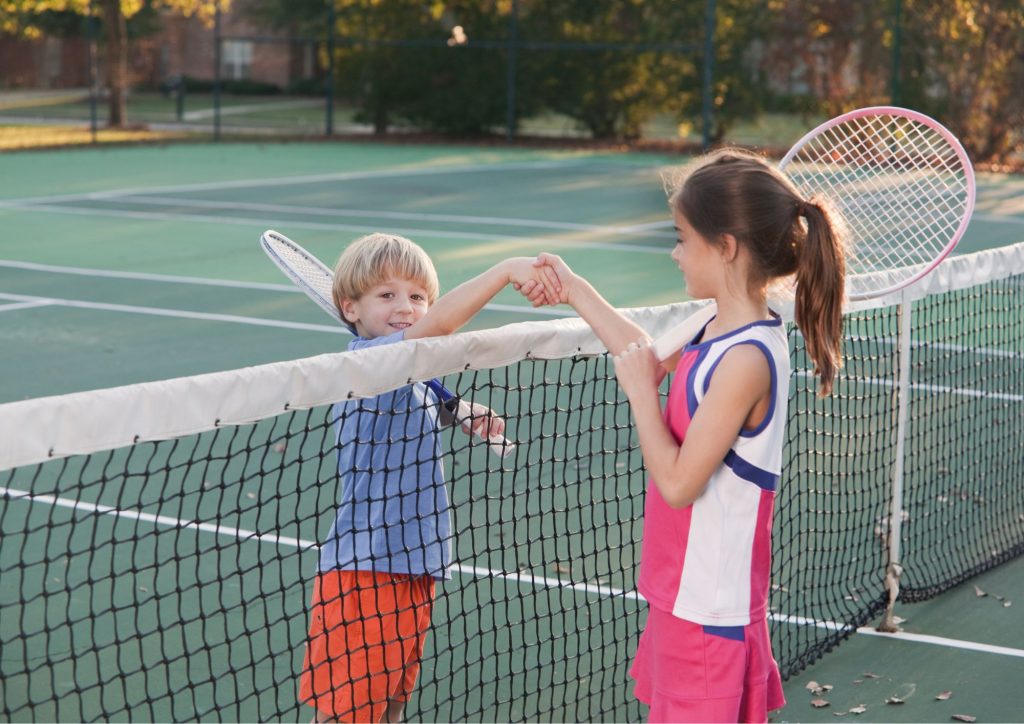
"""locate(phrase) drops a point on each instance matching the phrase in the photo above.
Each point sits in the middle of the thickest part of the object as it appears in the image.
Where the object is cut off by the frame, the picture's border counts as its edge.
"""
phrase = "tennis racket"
(314, 278)
(904, 187)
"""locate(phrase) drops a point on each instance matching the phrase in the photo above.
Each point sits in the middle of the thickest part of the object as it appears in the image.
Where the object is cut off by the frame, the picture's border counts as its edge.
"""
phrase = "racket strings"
(900, 186)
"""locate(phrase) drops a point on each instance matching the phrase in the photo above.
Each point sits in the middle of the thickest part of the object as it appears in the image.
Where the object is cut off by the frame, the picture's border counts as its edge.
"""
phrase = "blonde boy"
(391, 537)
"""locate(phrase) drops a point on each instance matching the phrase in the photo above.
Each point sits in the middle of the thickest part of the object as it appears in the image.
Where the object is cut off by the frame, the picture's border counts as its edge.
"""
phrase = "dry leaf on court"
(812, 685)
(895, 700)
(869, 675)
(559, 568)
(979, 593)
(965, 717)
(944, 695)
(819, 703)
(859, 709)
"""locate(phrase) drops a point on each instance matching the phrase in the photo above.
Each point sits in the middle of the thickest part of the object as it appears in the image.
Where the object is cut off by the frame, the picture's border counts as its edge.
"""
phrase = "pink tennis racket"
(904, 186)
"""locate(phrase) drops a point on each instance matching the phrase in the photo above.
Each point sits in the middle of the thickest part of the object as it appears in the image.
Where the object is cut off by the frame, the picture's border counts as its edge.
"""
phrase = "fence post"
(895, 90)
(329, 85)
(707, 90)
(894, 569)
(511, 58)
(216, 72)
(93, 71)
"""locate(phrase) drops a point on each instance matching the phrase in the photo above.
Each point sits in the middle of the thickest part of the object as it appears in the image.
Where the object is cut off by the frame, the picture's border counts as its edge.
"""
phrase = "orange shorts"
(366, 637)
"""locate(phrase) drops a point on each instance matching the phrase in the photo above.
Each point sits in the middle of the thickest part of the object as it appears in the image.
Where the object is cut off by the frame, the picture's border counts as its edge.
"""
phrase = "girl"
(714, 456)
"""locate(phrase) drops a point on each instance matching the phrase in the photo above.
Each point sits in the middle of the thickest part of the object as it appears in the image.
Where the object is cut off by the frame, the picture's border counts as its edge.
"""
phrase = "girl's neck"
(735, 312)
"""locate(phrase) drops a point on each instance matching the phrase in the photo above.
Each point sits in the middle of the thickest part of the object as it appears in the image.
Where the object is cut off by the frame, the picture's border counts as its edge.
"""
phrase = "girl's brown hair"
(735, 192)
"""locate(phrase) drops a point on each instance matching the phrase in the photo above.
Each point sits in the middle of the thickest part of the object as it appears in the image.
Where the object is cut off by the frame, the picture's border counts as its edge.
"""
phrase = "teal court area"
(172, 581)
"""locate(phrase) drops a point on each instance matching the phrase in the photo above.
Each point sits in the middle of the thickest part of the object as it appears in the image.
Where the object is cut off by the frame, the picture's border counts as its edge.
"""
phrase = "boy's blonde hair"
(372, 259)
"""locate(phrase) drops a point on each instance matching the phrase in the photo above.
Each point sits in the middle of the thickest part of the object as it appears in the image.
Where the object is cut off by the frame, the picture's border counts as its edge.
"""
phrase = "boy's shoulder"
(365, 343)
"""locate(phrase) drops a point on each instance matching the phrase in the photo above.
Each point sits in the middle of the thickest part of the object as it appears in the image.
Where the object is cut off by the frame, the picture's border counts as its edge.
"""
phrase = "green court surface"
(129, 265)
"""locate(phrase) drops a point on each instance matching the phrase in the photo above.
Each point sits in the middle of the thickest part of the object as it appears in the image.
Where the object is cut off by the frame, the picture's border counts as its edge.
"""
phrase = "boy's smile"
(391, 306)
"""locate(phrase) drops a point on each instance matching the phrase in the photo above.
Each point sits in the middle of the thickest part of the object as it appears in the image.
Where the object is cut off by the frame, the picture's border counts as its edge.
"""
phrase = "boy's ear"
(348, 311)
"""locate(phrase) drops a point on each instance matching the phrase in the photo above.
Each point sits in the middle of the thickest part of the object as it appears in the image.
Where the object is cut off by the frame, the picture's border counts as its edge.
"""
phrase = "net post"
(894, 568)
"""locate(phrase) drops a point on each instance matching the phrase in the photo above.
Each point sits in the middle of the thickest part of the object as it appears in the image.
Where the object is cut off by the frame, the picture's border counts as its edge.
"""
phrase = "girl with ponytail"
(714, 455)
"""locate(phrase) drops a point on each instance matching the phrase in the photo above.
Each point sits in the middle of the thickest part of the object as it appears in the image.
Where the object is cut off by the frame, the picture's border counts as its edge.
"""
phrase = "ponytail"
(820, 284)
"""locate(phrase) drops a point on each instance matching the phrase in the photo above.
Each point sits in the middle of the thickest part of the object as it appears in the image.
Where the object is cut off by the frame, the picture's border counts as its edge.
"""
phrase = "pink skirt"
(687, 672)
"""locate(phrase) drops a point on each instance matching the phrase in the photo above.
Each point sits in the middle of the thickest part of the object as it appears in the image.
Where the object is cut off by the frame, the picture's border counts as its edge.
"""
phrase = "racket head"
(306, 271)
(901, 182)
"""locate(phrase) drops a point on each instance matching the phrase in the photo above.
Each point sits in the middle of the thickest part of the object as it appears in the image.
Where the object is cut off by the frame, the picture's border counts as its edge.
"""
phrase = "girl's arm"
(458, 306)
(611, 327)
(681, 472)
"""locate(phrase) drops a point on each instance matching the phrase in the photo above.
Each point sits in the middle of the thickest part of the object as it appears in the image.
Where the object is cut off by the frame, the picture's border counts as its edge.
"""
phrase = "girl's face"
(700, 261)
(391, 306)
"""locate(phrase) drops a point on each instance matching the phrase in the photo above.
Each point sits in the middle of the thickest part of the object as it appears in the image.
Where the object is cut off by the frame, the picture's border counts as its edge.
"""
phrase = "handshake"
(543, 280)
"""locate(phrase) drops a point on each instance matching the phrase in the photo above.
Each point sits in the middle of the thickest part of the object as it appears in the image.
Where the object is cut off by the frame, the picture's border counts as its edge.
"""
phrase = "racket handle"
(498, 444)
(674, 339)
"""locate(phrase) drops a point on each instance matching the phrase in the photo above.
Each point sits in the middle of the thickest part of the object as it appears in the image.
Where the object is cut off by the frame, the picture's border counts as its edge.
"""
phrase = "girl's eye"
(418, 297)
(387, 295)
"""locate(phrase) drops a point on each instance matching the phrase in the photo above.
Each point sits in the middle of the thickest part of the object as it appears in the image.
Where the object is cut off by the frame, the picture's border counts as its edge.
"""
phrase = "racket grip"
(498, 444)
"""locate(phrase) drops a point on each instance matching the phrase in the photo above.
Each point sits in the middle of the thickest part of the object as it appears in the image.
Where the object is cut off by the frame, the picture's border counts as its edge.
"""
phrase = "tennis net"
(159, 541)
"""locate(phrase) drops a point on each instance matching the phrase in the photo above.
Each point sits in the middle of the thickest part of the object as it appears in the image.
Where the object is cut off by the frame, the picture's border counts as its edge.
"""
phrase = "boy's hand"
(483, 422)
(538, 283)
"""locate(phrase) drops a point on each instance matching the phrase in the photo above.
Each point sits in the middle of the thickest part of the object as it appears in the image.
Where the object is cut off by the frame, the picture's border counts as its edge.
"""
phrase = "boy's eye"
(419, 297)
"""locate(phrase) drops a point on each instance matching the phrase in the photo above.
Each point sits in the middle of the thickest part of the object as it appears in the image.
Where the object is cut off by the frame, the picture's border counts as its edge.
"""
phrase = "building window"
(236, 59)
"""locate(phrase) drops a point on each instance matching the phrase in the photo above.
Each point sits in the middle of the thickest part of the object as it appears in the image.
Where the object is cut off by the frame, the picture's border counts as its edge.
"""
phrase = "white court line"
(920, 386)
(229, 283)
(179, 313)
(998, 218)
(508, 242)
(393, 172)
(403, 215)
(207, 316)
(25, 305)
(943, 641)
(243, 535)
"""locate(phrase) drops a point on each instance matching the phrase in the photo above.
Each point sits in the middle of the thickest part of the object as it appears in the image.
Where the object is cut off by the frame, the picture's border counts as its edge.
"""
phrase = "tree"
(28, 18)
(966, 64)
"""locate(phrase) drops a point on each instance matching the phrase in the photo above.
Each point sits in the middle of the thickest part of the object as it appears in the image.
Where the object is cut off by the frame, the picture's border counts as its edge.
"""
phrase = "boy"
(391, 536)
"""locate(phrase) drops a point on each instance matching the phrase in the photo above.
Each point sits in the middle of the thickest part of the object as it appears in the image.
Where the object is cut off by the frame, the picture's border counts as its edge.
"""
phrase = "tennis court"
(132, 265)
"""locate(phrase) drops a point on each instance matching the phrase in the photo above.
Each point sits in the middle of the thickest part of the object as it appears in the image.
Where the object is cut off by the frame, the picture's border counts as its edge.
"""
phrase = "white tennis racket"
(905, 189)
(314, 278)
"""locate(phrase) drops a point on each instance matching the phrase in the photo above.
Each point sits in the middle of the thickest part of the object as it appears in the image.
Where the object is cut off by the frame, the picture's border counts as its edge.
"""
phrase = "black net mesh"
(173, 580)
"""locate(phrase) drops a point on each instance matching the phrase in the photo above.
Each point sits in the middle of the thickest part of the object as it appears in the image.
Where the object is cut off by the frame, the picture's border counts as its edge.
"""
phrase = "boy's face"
(386, 308)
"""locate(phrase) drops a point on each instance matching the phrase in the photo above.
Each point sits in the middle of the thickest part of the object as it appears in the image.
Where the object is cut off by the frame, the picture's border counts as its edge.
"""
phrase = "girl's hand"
(483, 422)
(638, 370)
(553, 264)
(538, 284)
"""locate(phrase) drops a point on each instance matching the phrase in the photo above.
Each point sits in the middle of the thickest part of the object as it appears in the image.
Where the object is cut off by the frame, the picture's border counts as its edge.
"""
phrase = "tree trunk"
(117, 61)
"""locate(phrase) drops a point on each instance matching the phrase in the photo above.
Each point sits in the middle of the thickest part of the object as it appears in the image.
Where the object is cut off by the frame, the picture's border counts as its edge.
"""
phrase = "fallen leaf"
(944, 695)
(869, 675)
(965, 717)
(819, 703)
(839, 713)
(898, 620)
(560, 568)
(812, 685)
(895, 700)
(859, 709)
(979, 593)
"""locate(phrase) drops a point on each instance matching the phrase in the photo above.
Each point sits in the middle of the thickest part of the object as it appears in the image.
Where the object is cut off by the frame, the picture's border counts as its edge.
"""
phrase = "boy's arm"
(459, 305)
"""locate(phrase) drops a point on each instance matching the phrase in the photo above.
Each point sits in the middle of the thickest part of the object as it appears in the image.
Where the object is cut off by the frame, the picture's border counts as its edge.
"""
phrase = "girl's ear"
(349, 311)
(730, 247)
